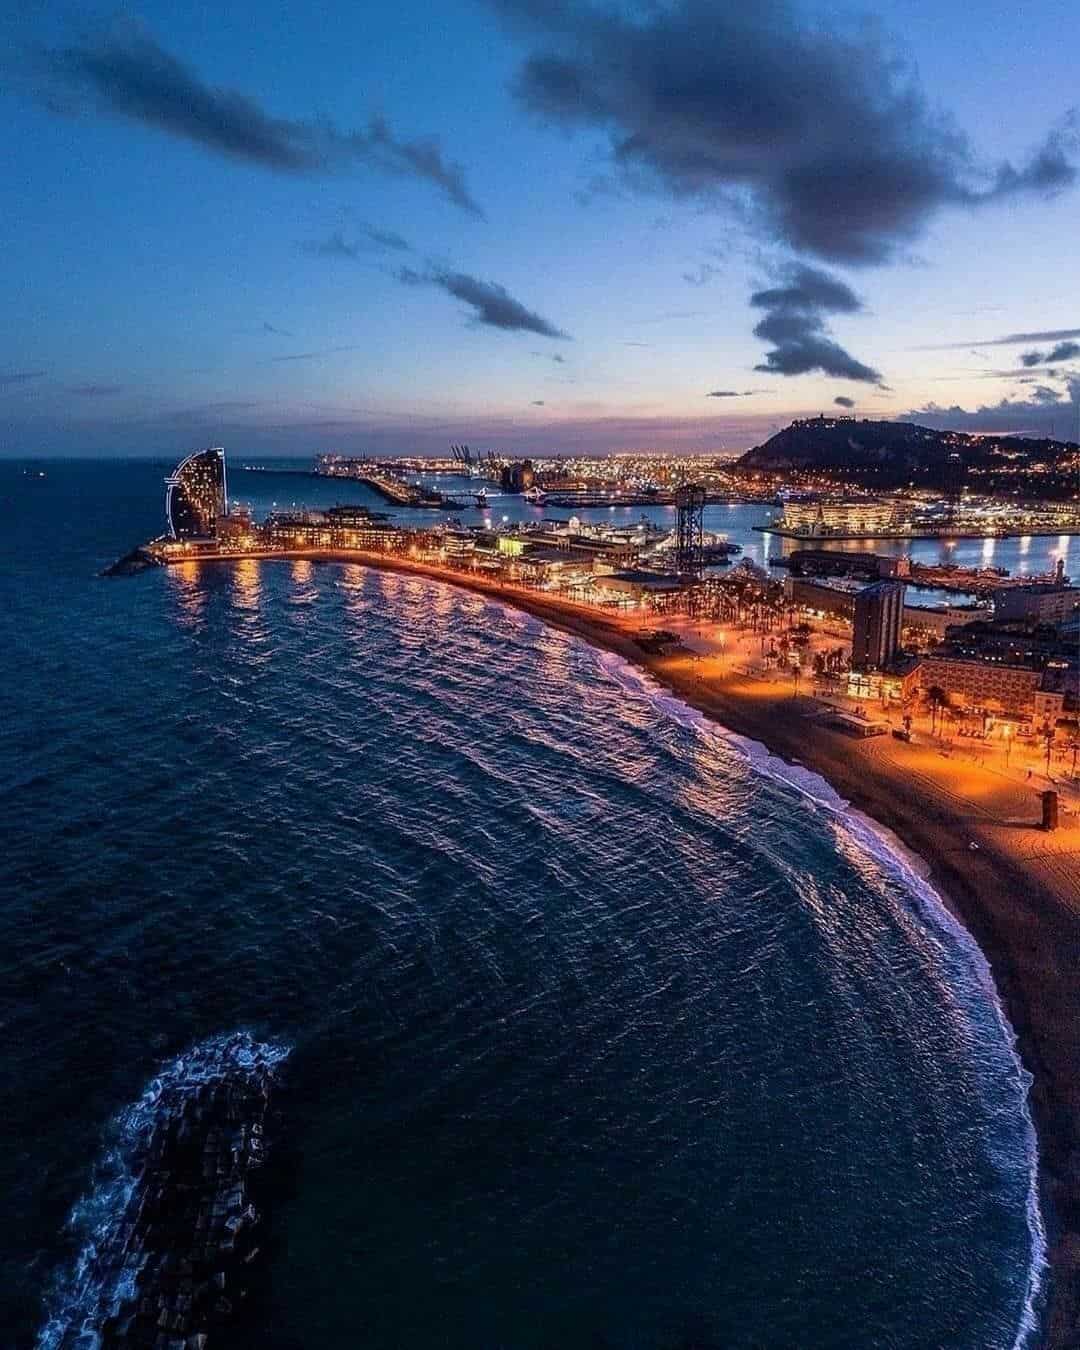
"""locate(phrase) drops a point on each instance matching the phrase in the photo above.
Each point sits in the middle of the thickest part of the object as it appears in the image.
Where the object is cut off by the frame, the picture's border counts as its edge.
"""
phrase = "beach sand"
(1018, 893)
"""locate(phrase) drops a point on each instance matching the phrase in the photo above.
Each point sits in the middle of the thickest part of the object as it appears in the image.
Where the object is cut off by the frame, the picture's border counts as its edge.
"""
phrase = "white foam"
(912, 871)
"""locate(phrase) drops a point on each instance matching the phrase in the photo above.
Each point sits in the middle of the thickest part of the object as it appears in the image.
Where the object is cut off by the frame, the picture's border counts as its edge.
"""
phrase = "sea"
(595, 1025)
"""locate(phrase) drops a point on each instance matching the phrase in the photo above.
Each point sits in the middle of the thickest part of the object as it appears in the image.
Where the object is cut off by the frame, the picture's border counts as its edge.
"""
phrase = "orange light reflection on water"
(188, 593)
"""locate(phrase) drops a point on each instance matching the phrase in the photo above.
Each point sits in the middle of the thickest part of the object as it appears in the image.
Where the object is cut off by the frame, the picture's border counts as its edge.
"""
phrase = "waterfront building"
(896, 686)
(981, 686)
(833, 598)
(196, 496)
(877, 619)
(237, 530)
(931, 623)
(837, 562)
(818, 516)
(1037, 603)
(638, 583)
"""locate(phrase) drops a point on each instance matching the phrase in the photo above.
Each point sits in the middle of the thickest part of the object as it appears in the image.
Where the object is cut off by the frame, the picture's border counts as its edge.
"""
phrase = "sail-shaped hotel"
(195, 495)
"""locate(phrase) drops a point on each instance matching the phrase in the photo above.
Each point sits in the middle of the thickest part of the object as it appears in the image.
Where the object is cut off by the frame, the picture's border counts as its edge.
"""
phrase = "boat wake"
(167, 1233)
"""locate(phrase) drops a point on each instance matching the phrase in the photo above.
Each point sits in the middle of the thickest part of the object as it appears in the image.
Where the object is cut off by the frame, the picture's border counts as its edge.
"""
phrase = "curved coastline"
(1024, 929)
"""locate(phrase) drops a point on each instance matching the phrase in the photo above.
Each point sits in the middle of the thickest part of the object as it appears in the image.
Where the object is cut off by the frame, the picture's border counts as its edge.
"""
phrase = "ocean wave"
(103, 1276)
(912, 871)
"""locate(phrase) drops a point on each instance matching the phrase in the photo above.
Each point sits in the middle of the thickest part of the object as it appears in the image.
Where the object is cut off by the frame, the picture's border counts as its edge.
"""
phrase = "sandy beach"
(1018, 893)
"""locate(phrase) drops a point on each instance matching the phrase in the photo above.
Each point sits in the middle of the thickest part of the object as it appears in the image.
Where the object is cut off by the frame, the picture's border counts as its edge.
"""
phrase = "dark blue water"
(600, 1035)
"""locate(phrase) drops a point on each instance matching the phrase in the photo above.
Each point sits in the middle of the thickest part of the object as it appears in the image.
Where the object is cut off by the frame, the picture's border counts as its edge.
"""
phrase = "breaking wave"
(911, 870)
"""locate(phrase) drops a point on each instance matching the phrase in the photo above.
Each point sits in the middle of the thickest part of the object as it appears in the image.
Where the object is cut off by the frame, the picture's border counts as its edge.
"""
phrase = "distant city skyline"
(534, 227)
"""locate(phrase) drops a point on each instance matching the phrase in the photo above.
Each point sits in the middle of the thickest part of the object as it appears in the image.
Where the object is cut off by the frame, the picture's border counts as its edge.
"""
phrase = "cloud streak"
(128, 75)
(315, 356)
(493, 306)
(735, 393)
(822, 133)
(794, 324)
(335, 245)
(1009, 340)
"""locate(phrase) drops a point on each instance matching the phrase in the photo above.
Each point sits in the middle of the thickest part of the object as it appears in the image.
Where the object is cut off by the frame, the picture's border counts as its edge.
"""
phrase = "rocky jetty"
(138, 560)
(178, 1229)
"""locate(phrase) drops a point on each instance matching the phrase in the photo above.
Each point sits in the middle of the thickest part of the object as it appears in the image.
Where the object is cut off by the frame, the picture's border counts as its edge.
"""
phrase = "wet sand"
(1018, 894)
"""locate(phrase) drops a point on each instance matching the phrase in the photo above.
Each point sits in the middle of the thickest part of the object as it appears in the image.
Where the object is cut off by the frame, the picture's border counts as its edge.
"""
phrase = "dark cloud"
(10, 378)
(824, 131)
(493, 306)
(129, 75)
(794, 323)
(277, 332)
(842, 402)
(95, 390)
(1044, 412)
(538, 402)
(1064, 351)
(735, 393)
(557, 357)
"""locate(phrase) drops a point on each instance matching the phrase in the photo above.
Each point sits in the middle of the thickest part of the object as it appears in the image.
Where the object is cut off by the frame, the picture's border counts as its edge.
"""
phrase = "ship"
(482, 500)
(535, 496)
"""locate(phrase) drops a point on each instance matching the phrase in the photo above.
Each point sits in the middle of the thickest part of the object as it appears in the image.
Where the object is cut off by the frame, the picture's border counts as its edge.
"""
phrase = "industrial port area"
(974, 658)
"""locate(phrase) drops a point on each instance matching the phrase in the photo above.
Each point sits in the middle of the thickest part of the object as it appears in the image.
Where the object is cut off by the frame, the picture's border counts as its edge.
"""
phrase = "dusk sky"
(530, 225)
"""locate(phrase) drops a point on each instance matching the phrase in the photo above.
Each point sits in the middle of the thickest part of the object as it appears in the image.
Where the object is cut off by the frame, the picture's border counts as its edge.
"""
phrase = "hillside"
(898, 454)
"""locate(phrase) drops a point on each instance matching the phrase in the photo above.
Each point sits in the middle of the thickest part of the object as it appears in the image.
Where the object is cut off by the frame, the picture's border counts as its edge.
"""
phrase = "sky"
(538, 226)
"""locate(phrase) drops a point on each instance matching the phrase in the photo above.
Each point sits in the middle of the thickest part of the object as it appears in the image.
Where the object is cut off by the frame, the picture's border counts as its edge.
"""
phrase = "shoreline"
(1017, 896)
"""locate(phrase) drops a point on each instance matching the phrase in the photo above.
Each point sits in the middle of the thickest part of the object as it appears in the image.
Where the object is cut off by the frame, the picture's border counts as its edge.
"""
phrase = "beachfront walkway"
(997, 803)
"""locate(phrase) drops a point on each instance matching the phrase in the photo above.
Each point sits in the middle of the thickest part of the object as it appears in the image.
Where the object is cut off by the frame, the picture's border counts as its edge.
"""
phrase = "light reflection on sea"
(601, 1035)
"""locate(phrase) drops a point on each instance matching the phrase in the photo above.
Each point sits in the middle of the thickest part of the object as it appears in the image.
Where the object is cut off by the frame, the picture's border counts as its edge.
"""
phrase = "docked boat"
(482, 500)
(535, 496)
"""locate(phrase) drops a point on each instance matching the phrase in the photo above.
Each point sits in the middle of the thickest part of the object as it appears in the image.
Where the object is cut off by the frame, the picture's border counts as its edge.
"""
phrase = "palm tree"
(938, 699)
(1048, 735)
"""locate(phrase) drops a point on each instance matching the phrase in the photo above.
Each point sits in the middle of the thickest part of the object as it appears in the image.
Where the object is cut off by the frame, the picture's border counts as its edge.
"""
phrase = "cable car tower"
(690, 529)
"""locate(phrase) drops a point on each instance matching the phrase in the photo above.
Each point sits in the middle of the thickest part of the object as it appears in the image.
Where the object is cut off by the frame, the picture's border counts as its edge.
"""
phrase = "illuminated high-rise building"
(195, 495)
(876, 624)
